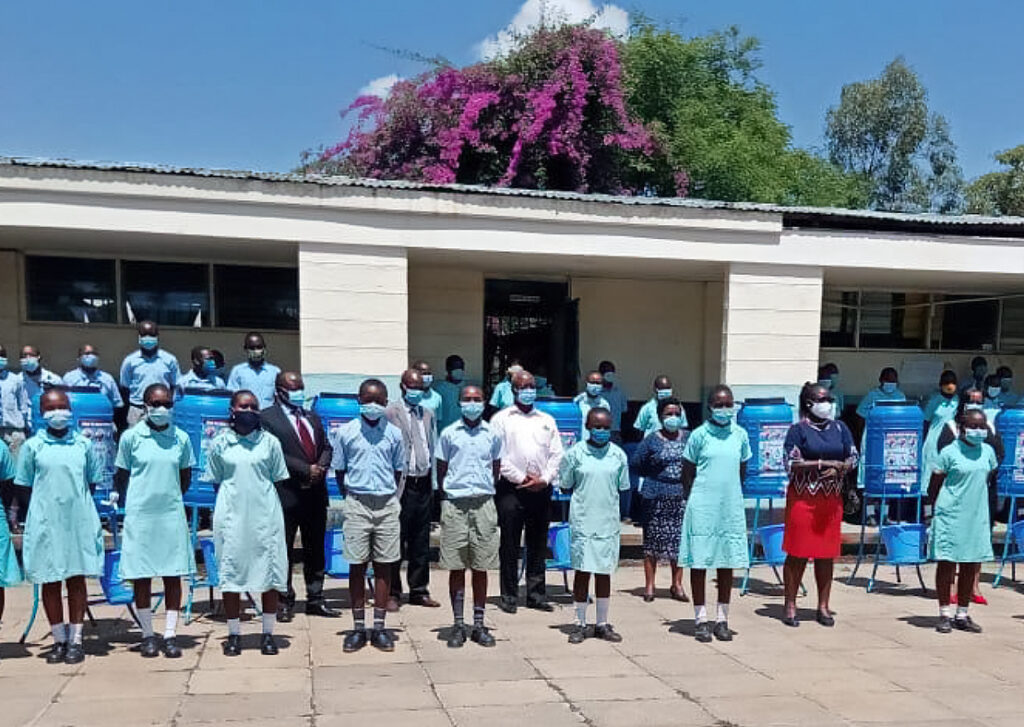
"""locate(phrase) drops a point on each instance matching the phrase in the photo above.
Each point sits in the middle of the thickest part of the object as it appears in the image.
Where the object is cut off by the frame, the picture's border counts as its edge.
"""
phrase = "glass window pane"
(893, 320)
(966, 326)
(1012, 338)
(70, 289)
(172, 294)
(838, 318)
(257, 297)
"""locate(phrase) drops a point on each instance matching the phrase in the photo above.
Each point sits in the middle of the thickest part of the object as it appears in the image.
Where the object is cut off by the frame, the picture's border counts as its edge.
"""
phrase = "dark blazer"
(276, 421)
(397, 413)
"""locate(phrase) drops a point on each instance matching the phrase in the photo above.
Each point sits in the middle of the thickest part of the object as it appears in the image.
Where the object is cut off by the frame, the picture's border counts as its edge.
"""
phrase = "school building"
(349, 278)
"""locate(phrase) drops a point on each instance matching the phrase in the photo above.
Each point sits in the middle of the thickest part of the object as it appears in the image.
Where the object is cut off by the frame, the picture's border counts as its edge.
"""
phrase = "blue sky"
(246, 84)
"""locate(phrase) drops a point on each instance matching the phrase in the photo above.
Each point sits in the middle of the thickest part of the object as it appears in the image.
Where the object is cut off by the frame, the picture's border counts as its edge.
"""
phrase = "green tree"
(1001, 192)
(883, 131)
(719, 123)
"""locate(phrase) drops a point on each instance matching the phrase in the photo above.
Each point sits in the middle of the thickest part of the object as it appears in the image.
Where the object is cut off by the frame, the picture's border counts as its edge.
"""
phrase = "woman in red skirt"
(819, 453)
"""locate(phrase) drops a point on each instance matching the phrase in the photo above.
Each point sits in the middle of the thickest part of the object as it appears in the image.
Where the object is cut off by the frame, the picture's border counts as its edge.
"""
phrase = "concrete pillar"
(771, 329)
(353, 315)
(10, 304)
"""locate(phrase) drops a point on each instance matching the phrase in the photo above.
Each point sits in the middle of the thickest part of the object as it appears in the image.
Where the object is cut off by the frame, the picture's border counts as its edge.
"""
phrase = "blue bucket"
(210, 561)
(115, 589)
(905, 543)
(559, 542)
(334, 544)
(770, 538)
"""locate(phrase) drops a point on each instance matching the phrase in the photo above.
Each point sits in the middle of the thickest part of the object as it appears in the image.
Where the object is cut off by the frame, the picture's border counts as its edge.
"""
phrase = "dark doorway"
(536, 324)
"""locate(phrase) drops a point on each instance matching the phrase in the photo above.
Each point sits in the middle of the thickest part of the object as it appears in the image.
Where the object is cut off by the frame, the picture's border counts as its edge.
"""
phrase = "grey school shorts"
(469, 533)
(371, 527)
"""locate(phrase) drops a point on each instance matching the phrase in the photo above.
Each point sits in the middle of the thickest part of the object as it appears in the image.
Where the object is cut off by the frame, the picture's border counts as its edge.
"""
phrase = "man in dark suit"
(307, 455)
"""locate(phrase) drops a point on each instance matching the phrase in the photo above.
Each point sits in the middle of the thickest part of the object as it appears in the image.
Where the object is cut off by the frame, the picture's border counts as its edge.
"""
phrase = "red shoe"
(979, 599)
(952, 600)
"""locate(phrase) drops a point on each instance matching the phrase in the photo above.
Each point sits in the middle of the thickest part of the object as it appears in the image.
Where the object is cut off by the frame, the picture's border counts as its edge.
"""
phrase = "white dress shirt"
(531, 444)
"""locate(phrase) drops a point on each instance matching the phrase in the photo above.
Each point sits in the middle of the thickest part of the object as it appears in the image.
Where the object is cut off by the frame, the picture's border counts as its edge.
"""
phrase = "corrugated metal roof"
(796, 213)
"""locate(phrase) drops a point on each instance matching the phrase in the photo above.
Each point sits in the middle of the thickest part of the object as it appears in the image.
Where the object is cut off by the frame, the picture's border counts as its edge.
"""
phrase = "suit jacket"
(398, 414)
(277, 421)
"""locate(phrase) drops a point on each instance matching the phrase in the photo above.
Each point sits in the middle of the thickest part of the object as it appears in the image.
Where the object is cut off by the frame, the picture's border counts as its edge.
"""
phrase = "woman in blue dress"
(154, 461)
(63, 541)
(714, 531)
(960, 530)
(659, 460)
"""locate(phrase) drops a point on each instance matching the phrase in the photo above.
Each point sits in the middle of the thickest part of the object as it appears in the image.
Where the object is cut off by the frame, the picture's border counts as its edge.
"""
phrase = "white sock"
(171, 625)
(75, 633)
(269, 619)
(723, 612)
(602, 611)
(946, 611)
(961, 612)
(146, 622)
(700, 614)
(60, 633)
(581, 613)
(234, 627)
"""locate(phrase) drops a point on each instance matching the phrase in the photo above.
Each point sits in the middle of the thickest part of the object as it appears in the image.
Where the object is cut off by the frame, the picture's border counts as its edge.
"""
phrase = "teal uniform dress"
(248, 522)
(63, 536)
(714, 524)
(937, 412)
(10, 571)
(503, 397)
(156, 541)
(960, 530)
(595, 475)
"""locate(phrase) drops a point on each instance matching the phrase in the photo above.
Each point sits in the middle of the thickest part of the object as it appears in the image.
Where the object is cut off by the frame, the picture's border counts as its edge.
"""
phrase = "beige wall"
(446, 316)
(646, 327)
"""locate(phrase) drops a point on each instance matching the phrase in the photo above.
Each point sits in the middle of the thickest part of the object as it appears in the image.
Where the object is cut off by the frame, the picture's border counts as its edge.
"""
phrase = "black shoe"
(508, 605)
(966, 624)
(150, 647)
(354, 641)
(945, 625)
(702, 632)
(233, 645)
(482, 636)
(457, 637)
(74, 654)
(578, 634)
(825, 619)
(722, 631)
(382, 640)
(648, 597)
(426, 601)
(57, 653)
(541, 606)
(791, 621)
(286, 613)
(171, 648)
(267, 645)
(605, 632)
(319, 608)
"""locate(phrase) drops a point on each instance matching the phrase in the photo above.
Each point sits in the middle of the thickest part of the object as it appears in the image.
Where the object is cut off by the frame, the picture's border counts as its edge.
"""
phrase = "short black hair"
(373, 384)
(719, 389)
(153, 388)
(664, 403)
(449, 363)
(243, 392)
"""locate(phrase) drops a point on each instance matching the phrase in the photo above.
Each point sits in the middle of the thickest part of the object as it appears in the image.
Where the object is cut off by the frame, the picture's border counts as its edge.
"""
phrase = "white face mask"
(823, 410)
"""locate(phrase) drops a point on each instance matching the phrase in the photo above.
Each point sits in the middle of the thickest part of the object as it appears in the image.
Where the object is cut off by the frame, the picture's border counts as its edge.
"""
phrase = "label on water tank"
(771, 448)
(333, 425)
(900, 458)
(212, 426)
(568, 439)
(1018, 459)
(101, 434)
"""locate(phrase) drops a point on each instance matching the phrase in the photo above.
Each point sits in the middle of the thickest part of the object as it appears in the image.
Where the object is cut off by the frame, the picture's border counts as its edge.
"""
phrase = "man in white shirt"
(530, 456)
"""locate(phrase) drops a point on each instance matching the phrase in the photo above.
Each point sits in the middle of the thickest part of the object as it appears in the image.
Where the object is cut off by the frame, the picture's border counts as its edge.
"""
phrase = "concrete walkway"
(882, 664)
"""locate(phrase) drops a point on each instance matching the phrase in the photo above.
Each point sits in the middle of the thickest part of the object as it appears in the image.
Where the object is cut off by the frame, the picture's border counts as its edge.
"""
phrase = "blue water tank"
(335, 410)
(1010, 425)
(892, 449)
(93, 416)
(767, 422)
(202, 414)
(568, 420)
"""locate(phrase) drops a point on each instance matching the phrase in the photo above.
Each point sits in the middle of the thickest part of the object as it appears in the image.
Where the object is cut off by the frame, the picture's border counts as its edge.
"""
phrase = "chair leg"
(920, 578)
(32, 616)
(1006, 545)
(88, 613)
(751, 548)
(898, 579)
(134, 614)
(863, 532)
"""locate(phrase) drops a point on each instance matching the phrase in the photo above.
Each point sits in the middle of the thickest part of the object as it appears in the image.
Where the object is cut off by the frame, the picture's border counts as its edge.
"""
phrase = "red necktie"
(305, 439)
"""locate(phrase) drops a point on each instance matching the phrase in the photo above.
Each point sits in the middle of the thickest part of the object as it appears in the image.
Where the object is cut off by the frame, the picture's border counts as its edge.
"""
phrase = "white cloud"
(607, 17)
(380, 86)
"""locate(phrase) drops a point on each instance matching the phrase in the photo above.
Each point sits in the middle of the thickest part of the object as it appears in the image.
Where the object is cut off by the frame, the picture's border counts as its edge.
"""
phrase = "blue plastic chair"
(334, 554)
(558, 544)
(212, 580)
(903, 544)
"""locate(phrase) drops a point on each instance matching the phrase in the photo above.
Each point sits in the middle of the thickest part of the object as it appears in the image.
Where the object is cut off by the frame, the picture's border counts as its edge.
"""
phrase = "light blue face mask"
(975, 436)
(600, 436)
(723, 415)
(609, 376)
(209, 366)
(159, 416)
(30, 364)
(457, 375)
(371, 410)
(414, 396)
(993, 391)
(827, 383)
(663, 393)
(89, 360)
(428, 379)
(3, 363)
(297, 398)
(889, 386)
(1006, 384)
(148, 342)
(526, 396)
(472, 410)
(973, 406)
(672, 423)
(594, 389)
(58, 419)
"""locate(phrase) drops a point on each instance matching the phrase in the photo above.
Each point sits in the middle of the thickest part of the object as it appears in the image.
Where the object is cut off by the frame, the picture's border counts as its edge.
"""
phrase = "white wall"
(446, 316)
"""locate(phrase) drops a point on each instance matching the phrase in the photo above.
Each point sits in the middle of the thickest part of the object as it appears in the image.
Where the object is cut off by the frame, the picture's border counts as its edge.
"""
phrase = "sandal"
(678, 595)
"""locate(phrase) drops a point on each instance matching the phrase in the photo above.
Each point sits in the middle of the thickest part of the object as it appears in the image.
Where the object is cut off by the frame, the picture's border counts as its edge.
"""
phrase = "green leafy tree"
(1001, 192)
(883, 131)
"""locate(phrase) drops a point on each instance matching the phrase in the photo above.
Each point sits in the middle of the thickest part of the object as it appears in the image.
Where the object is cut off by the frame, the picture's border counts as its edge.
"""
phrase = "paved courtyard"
(882, 664)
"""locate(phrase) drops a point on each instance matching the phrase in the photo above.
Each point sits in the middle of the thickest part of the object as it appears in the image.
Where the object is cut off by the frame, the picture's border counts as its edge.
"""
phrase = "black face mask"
(245, 422)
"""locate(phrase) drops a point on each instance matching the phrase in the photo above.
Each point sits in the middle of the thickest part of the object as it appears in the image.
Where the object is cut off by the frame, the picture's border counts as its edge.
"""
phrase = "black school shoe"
(267, 645)
(150, 647)
(74, 655)
(945, 625)
(57, 653)
(722, 631)
(482, 636)
(381, 639)
(605, 632)
(966, 624)
(171, 648)
(702, 632)
(457, 637)
(354, 641)
(233, 645)
(578, 634)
